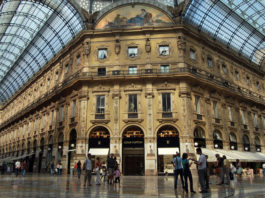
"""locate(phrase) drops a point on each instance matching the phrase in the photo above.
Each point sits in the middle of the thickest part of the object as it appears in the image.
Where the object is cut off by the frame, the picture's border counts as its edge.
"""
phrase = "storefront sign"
(133, 142)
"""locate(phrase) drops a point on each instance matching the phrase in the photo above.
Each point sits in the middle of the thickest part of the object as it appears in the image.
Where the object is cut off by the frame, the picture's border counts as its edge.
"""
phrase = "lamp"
(60, 147)
(232, 147)
(246, 148)
(72, 145)
(216, 146)
(196, 143)
(258, 149)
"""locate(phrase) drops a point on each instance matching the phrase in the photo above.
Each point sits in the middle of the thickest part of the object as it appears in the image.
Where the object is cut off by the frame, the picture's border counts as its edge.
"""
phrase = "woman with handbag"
(98, 167)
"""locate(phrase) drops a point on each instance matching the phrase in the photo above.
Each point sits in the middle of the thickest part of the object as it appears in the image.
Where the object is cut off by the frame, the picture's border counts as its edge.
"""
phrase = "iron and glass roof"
(31, 33)
(239, 24)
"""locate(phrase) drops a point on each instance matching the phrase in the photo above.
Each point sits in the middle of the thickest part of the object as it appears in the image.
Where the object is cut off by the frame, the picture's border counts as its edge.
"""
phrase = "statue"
(86, 48)
(117, 46)
(148, 46)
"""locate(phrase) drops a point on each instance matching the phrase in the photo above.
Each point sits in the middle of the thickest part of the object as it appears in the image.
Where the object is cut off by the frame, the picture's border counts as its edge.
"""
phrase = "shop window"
(163, 50)
(257, 144)
(133, 70)
(192, 54)
(102, 71)
(102, 54)
(199, 137)
(164, 68)
(218, 140)
(132, 52)
(210, 62)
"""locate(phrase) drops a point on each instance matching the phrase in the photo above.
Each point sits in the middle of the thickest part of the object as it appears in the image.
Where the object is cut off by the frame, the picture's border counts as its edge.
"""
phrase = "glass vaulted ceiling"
(239, 24)
(31, 33)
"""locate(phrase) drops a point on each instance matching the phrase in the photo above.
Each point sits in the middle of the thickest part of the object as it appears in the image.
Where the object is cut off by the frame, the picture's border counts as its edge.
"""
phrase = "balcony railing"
(132, 115)
(100, 116)
(192, 70)
(166, 114)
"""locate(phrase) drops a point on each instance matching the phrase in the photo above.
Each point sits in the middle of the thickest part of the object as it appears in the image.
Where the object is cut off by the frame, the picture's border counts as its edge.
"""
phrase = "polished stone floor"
(43, 186)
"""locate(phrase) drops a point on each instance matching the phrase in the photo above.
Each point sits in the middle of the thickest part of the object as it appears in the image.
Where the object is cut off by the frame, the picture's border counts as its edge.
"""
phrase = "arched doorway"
(233, 142)
(167, 146)
(133, 151)
(49, 153)
(246, 143)
(71, 150)
(257, 144)
(41, 154)
(99, 143)
(199, 137)
(60, 146)
(217, 139)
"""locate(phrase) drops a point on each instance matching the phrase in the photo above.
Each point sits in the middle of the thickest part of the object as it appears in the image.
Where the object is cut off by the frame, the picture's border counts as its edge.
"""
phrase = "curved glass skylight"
(239, 24)
(31, 33)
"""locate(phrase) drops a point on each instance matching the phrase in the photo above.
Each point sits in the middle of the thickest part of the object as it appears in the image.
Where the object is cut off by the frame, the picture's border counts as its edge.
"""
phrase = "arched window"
(233, 141)
(217, 139)
(246, 143)
(199, 137)
(257, 144)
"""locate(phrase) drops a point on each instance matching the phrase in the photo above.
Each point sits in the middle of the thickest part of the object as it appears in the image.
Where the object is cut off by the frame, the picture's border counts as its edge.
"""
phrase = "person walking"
(117, 175)
(52, 168)
(87, 166)
(227, 170)
(178, 170)
(220, 168)
(98, 168)
(78, 169)
(187, 173)
(202, 172)
(17, 166)
(23, 168)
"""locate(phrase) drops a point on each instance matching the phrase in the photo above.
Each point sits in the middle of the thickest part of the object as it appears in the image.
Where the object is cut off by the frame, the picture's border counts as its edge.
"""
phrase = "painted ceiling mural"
(134, 15)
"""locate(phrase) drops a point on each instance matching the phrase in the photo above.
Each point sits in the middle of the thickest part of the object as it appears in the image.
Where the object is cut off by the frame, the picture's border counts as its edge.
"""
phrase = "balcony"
(166, 114)
(199, 116)
(132, 115)
(100, 116)
(217, 120)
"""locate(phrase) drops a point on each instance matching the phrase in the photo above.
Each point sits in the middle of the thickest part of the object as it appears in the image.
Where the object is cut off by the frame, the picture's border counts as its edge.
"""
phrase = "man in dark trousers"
(111, 164)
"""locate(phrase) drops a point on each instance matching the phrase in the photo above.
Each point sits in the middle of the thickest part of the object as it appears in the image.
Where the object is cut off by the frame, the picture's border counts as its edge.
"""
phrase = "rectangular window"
(215, 109)
(66, 68)
(224, 69)
(192, 54)
(73, 108)
(243, 117)
(43, 121)
(163, 50)
(61, 113)
(257, 84)
(166, 102)
(164, 68)
(132, 103)
(102, 54)
(102, 71)
(78, 59)
(132, 52)
(197, 104)
(248, 80)
(237, 75)
(230, 114)
(255, 120)
(133, 70)
(52, 115)
(210, 62)
(100, 104)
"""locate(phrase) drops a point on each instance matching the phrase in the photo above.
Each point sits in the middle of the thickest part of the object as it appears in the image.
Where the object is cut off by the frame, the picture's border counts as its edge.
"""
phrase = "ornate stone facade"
(208, 87)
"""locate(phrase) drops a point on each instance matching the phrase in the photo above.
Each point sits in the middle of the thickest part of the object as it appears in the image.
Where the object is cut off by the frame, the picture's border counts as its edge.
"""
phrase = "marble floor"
(43, 186)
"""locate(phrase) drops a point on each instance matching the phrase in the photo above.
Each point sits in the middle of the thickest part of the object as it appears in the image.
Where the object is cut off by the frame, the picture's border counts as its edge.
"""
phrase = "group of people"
(113, 172)
(182, 168)
(56, 169)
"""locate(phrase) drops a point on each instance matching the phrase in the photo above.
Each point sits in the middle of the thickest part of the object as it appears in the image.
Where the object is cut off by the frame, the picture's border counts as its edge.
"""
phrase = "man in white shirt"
(17, 166)
(88, 168)
(202, 172)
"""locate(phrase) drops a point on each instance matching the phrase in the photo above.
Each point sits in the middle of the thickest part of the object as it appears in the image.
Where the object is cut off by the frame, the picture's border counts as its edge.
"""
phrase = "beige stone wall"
(34, 113)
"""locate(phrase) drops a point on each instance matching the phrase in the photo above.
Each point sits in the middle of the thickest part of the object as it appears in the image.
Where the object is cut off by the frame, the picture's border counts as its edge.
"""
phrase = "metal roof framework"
(31, 34)
(239, 24)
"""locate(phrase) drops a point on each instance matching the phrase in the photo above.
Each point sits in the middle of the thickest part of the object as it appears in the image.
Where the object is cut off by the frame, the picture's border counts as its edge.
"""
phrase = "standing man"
(17, 166)
(111, 164)
(227, 169)
(88, 168)
(202, 172)
(177, 161)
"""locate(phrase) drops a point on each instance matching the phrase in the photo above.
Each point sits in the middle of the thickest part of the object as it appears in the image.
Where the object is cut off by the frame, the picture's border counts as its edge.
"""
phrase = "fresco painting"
(130, 16)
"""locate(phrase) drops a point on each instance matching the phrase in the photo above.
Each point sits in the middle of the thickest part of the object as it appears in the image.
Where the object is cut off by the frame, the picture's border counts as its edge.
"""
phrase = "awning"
(99, 151)
(168, 151)
(233, 155)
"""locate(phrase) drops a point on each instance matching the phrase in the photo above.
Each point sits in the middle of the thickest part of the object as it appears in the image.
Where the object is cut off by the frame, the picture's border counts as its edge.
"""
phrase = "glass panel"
(164, 50)
(132, 103)
(102, 54)
(232, 137)
(132, 70)
(210, 62)
(166, 102)
(132, 52)
(230, 114)
(243, 117)
(100, 104)
(215, 108)
(197, 104)
(164, 68)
